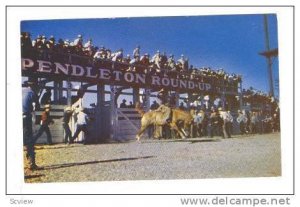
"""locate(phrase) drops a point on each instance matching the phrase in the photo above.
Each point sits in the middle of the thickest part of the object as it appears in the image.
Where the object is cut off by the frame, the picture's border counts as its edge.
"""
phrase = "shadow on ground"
(189, 140)
(52, 167)
(33, 176)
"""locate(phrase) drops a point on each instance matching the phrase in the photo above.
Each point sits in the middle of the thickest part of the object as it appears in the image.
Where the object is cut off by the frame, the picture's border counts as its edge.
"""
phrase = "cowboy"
(253, 122)
(29, 97)
(242, 120)
(226, 117)
(65, 122)
(44, 125)
(215, 123)
(82, 120)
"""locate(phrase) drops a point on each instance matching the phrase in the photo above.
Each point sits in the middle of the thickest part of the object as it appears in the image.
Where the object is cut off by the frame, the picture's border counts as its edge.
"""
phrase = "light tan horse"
(180, 115)
(157, 117)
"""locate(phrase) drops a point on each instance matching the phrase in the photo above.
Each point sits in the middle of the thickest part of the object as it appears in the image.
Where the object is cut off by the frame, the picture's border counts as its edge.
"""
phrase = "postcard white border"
(276, 185)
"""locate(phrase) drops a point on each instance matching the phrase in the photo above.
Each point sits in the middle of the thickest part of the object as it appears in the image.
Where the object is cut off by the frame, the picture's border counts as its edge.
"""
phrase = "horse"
(180, 115)
(157, 117)
(165, 115)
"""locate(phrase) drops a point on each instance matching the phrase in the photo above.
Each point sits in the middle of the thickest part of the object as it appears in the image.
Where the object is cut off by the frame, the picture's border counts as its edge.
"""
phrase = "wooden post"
(60, 90)
(99, 107)
(55, 91)
(241, 95)
(147, 98)
(136, 95)
(113, 113)
(69, 92)
(177, 99)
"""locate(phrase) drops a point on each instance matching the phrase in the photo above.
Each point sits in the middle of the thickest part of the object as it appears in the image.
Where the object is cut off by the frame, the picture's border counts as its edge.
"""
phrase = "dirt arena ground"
(241, 156)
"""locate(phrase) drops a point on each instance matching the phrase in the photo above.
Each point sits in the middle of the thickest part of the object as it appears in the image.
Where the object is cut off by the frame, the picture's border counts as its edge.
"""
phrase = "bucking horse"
(165, 115)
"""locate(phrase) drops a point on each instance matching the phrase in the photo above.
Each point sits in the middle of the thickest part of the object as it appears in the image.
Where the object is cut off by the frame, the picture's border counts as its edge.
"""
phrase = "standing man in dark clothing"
(216, 123)
(29, 97)
(45, 121)
(123, 104)
(66, 119)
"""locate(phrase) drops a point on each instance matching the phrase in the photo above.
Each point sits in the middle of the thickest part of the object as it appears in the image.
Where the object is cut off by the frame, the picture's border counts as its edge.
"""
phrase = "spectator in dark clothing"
(26, 40)
(26, 44)
(131, 105)
(216, 123)
(123, 104)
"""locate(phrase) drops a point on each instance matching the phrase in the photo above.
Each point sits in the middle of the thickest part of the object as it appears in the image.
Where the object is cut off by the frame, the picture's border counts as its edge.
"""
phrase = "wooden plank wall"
(129, 121)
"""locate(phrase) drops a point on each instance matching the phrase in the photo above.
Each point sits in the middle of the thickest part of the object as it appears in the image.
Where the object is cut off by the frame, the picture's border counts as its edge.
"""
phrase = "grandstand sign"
(41, 68)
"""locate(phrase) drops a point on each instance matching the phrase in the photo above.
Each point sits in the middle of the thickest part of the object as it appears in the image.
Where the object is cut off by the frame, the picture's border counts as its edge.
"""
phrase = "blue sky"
(231, 42)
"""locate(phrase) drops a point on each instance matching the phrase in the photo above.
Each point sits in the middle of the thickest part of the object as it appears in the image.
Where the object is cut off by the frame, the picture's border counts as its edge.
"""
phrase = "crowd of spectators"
(160, 63)
(258, 98)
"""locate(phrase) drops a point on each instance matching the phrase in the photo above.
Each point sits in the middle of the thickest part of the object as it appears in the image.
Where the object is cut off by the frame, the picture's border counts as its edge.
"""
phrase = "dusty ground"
(247, 156)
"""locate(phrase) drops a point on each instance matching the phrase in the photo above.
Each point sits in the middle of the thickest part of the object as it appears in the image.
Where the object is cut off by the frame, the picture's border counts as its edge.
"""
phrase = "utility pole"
(268, 54)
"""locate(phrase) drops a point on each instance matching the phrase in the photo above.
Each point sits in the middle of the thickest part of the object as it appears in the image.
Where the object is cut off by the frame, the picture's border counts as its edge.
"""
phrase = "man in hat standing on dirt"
(66, 119)
(45, 121)
(82, 121)
(29, 98)
(226, 122)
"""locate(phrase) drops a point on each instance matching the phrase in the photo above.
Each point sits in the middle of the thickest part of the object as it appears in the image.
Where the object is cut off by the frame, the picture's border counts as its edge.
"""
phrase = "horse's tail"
(139, 109)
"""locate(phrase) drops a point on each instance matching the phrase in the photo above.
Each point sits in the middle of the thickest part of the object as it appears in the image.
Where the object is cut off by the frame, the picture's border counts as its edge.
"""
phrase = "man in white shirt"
(227, 120)
(81, 123)
(242, 120)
